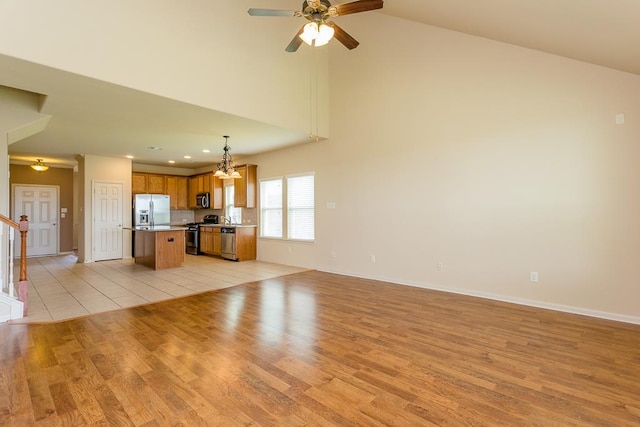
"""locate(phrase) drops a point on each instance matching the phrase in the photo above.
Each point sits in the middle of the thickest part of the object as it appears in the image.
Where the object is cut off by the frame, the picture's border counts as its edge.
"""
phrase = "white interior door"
(107, 221)
(40, 204)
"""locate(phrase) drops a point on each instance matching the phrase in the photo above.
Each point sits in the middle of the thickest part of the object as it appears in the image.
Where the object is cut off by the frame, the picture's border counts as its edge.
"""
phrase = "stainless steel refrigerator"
(151, 210)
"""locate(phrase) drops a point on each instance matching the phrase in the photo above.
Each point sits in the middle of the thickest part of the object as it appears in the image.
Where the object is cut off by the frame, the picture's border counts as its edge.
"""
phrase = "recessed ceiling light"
(129, 156)
(154, 148)
(206, 151)
(172, 161)
(187, 157)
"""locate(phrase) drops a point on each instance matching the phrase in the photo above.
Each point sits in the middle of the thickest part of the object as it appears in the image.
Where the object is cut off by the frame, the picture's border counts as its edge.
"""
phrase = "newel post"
(22, 284)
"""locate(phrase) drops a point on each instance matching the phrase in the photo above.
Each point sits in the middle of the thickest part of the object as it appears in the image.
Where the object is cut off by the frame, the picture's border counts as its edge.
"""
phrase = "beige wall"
(493, 159)
(18, 113)
(206, 53)
(61, 177)
(92, 169)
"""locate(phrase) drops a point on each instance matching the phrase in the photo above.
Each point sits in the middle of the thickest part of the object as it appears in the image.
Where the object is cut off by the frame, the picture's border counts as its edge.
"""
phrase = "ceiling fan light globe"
(325, 33)
(310, 33)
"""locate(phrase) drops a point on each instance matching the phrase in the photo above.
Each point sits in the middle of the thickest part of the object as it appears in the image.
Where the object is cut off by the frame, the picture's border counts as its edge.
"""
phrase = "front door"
(107, 227)
(40, 204)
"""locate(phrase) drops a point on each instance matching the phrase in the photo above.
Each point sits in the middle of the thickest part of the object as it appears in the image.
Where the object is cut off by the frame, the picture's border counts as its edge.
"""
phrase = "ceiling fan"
(319, 30)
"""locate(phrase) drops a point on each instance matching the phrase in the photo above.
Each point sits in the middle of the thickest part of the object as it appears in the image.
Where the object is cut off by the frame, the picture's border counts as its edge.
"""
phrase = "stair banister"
(23, 227)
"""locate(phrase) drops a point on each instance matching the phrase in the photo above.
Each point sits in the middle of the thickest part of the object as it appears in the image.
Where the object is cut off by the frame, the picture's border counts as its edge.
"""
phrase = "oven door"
(192, 241)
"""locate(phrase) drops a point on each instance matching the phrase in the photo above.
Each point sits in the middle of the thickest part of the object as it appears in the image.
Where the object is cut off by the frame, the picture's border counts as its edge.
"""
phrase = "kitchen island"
(159, 247)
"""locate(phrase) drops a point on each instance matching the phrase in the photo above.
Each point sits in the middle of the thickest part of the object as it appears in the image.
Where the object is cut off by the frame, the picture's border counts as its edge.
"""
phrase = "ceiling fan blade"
(274, 12)
(344, 37)
(295, 42)
(355, 7)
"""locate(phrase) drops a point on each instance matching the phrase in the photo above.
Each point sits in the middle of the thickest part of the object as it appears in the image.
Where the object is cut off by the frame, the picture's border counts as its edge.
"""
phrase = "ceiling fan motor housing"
(317, 11)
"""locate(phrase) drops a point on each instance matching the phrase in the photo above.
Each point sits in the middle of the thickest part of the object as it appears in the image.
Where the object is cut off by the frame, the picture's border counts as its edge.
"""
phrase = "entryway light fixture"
(39, 166)
(226, 168)
(320, 33)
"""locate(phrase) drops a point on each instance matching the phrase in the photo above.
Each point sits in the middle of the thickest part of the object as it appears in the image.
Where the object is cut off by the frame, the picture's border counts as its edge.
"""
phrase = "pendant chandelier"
(39, 166)
(226, 167)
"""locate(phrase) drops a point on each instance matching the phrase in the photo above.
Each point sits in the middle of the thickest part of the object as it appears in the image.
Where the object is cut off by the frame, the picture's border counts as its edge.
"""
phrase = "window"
(297, 192)
(235, 214)
(271, 208)
(300, 207)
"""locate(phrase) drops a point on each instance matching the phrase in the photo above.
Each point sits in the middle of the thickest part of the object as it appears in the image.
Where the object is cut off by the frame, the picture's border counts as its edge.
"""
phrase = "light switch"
(620, 118)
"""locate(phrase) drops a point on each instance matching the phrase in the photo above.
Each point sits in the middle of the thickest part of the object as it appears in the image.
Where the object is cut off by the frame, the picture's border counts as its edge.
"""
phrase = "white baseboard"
(505, 298)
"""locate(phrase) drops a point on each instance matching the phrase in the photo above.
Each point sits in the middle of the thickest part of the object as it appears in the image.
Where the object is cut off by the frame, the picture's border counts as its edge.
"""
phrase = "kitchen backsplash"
(181, 217)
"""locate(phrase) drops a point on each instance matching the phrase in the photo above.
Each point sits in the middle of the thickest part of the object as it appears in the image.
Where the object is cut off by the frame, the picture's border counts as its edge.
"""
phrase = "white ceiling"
(98, 118)
(603, 32)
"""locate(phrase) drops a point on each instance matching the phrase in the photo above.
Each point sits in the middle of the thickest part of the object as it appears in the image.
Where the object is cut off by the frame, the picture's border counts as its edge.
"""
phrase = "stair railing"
(8, 229)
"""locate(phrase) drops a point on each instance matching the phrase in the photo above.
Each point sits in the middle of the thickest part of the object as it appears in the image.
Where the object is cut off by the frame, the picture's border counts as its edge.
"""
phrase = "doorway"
(107, 217)
(40, 204)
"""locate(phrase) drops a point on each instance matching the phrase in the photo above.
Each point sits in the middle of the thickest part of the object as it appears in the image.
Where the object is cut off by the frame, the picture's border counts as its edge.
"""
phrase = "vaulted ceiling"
(600, 32)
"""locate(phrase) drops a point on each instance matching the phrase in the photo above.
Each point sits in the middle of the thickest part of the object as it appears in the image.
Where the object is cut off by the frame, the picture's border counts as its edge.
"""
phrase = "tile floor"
(61, 288)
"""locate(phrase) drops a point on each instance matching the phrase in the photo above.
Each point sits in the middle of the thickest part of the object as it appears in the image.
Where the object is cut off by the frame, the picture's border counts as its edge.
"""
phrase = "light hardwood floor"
(314, 348)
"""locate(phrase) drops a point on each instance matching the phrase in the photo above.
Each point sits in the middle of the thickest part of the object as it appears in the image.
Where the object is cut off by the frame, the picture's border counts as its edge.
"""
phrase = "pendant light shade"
(39, 166)
(226, 167)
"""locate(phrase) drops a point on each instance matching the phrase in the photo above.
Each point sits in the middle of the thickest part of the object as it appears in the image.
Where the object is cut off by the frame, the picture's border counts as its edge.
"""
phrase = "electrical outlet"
(534, 277)
(439, 266)
(333, 255)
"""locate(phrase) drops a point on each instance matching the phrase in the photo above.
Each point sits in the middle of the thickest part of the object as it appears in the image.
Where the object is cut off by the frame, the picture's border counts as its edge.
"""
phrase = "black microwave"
(202, 200)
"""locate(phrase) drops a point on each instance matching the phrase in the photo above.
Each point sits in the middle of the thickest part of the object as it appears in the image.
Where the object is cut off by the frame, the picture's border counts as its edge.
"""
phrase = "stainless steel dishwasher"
(228, 243)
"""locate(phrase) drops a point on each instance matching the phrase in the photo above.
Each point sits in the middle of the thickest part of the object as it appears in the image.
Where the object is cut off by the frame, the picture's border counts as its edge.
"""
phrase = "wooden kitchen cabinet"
(156, 184)
(246, 243)
(177, 189)
(139, 183)
(216, 191)
(216, 240)
(198, 184)
(206, 240)
(245, 188)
